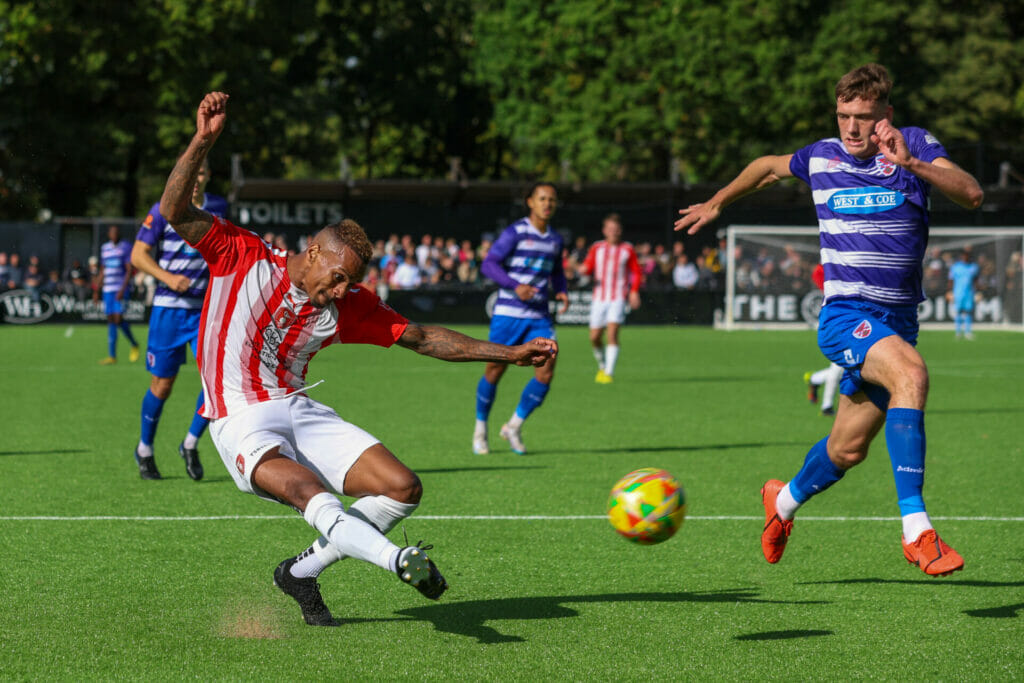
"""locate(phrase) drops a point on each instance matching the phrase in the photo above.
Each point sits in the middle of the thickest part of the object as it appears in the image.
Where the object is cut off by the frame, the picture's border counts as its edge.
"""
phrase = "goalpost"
(768, 281)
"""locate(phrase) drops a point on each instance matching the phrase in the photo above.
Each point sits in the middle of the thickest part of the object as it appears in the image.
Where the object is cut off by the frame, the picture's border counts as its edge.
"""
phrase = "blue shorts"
(964, 304)
(511, 331)
(170, 331)
(111, 306)
(847, 329)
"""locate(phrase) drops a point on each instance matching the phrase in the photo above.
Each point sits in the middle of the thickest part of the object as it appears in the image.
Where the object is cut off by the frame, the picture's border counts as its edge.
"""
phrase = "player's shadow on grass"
(1004, 612)
(674, 448)
(690, 379)
(783, 635)
(470, 618)
(55, 451)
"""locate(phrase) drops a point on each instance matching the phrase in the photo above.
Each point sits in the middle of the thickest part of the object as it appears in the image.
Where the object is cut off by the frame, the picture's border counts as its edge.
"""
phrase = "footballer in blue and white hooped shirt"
(526, 263)
(182, 279)
(870, 187)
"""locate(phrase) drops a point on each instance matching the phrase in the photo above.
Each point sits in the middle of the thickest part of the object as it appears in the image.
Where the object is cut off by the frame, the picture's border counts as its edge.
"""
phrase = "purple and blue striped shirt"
(872, 219)
(176, 256)
(116, 260)
(522, 254)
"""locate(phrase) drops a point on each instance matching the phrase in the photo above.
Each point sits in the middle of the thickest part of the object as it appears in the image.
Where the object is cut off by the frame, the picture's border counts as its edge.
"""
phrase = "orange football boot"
(931, 554)
(776, 530)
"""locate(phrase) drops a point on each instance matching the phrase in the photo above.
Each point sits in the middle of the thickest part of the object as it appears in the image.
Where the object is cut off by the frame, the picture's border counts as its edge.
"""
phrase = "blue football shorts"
(847, 329)
(111, 306)
(511, 331)
(170, 331)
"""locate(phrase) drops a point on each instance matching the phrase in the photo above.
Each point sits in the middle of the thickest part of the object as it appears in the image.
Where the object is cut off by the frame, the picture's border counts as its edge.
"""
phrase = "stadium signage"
(282, 213)
(22, 307)
(794, 308)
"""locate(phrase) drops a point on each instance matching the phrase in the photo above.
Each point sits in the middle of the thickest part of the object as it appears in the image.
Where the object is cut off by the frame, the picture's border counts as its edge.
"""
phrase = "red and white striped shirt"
(259, 331)
(609, 263)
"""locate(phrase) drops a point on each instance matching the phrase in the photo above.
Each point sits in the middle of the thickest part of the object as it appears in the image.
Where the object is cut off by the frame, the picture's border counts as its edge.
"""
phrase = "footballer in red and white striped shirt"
(617, 277)
(265, 316)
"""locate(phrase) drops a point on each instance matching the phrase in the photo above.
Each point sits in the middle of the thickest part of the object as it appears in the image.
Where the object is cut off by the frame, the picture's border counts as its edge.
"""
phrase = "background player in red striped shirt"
(266, 314)
(616, 271)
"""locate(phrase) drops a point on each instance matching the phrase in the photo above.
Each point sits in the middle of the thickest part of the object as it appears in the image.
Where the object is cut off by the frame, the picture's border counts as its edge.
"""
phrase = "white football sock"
(191, 441)
(515, 422)
(307, 564)
(598, 356)
(835, 373)
(350, 535)
(819, 377)
(381, 511)
(785, 504)
(480, 429)
(915, 524)
(611, 354)
(144, 450)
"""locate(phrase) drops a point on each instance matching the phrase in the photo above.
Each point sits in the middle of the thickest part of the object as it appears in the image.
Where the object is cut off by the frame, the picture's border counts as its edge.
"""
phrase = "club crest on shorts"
(863, 330)
(240, 464)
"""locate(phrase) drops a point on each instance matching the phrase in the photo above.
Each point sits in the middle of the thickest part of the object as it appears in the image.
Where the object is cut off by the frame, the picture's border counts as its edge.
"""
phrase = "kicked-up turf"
(107, 576)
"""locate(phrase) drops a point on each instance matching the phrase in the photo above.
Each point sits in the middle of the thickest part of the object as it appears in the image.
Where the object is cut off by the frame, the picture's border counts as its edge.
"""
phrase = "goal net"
(769, 285)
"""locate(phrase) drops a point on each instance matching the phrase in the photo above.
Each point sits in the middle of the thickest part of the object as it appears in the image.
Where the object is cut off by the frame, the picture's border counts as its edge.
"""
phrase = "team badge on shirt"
(284, 317)
(884, 166)
(240, 464)
(863, 331)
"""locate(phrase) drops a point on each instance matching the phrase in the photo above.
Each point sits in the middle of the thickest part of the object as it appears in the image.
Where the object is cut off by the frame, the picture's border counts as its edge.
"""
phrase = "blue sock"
(904, 435)
(151, 409)
(112, 340)
(198, 421)
(128, 333)
(533, 396)
(485, 392)
(817, 474)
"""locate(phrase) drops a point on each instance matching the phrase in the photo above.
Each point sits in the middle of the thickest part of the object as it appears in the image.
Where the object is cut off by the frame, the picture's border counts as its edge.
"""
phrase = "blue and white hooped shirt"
(872, 219)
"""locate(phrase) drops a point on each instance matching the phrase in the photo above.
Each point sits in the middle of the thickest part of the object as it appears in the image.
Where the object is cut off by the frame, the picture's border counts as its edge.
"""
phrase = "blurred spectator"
(53, 284)
(95, 283)
(268, 237)
(451, 247)
(424, 252)
(684, 274)
(446, 273)
(579, 249)
(281, 243)
(466, 252)
(15, 273)
(407, 275)
(32, 280)
(5, 269)
(706, 279)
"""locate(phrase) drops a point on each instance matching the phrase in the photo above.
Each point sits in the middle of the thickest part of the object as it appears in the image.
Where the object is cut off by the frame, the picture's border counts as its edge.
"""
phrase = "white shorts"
(306, 431)
(604, 312)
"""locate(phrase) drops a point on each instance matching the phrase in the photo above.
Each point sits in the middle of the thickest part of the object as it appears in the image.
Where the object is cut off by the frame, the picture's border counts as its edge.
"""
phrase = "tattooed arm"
(176, 203)
(440, 342)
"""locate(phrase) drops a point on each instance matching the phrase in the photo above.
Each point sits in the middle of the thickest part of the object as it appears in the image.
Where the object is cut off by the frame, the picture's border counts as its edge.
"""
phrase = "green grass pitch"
(106, 576)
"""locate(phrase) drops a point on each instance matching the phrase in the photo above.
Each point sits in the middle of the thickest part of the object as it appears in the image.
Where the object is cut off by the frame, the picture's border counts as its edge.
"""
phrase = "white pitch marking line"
(514, 518)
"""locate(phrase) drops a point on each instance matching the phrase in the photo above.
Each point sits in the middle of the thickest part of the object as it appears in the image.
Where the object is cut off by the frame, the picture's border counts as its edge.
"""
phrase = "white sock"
(611, 354)
(832, 378)
(381, 511)
(915, 524)
(144, 450)
(785, 504)
(819, 377)
(515, 422)
(308, 565)
(350, 535)
(191, 441)
(480, 429)
(598, 356)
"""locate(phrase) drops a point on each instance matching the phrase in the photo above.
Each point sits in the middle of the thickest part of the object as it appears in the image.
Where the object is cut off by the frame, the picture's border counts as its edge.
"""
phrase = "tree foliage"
(98, 98)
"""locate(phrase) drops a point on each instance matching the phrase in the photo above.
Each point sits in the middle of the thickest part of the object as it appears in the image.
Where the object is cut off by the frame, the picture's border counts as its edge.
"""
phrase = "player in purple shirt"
(115, 273)
(526, 263)
(870, 188)
(183, 276)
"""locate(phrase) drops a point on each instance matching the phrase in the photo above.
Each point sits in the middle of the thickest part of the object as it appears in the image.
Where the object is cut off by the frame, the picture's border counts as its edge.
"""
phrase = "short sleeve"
(152, 227)
(364, 319)
(226, 247)
(923, 144)
(799, 164)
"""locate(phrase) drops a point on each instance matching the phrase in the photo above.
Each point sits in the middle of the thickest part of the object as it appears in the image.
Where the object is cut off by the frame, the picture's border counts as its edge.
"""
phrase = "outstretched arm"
(176, 203)
(954, 182)
(759, 174)
(440, 342)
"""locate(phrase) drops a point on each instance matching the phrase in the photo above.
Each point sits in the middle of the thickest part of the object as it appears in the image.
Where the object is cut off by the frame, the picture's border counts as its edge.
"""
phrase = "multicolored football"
(647, 506)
